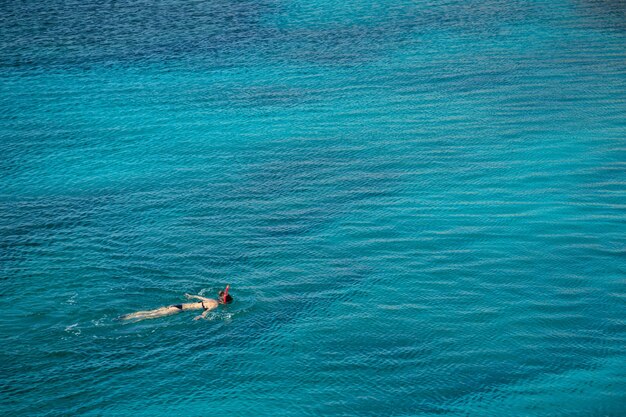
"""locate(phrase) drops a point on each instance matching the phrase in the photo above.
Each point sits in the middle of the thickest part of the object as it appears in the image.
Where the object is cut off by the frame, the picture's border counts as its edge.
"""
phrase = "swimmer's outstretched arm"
(189, 297)
(203, 315)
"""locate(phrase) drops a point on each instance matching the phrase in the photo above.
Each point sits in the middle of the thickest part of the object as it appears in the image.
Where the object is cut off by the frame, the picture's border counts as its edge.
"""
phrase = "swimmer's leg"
(152, 314)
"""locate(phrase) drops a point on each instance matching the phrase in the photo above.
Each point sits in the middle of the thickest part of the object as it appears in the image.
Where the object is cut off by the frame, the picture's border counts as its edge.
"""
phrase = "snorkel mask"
(224, 294)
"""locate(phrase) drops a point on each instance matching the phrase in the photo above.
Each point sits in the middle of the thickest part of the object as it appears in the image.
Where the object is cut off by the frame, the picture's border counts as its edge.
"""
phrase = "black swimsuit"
(180, 306)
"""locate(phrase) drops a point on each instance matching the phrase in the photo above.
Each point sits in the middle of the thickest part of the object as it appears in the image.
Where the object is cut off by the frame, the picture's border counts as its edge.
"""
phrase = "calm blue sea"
(419, 205)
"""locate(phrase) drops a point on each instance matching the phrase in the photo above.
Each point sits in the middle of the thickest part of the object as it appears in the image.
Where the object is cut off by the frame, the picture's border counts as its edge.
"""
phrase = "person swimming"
(206, 304)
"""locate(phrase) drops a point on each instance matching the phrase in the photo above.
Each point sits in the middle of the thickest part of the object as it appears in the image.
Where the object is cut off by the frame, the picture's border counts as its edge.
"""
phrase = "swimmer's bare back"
(206, 304)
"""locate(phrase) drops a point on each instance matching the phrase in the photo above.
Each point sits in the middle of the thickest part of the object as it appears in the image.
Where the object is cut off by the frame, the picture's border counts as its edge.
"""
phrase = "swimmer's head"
(225, 300)
(224, 297)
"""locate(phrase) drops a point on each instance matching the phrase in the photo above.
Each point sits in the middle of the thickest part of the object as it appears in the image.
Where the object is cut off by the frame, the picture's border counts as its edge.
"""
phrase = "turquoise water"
(419, 207)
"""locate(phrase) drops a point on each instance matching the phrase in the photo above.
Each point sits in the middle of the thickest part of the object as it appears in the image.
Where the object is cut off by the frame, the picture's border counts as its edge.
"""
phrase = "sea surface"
(420, 207)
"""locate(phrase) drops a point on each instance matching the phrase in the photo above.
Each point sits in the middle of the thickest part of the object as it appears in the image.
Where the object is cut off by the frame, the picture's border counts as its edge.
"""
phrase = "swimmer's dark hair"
(229, 299)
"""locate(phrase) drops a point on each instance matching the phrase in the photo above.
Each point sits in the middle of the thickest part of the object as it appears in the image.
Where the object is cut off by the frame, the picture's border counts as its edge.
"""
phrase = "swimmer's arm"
(203, 315)
(189, 296)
